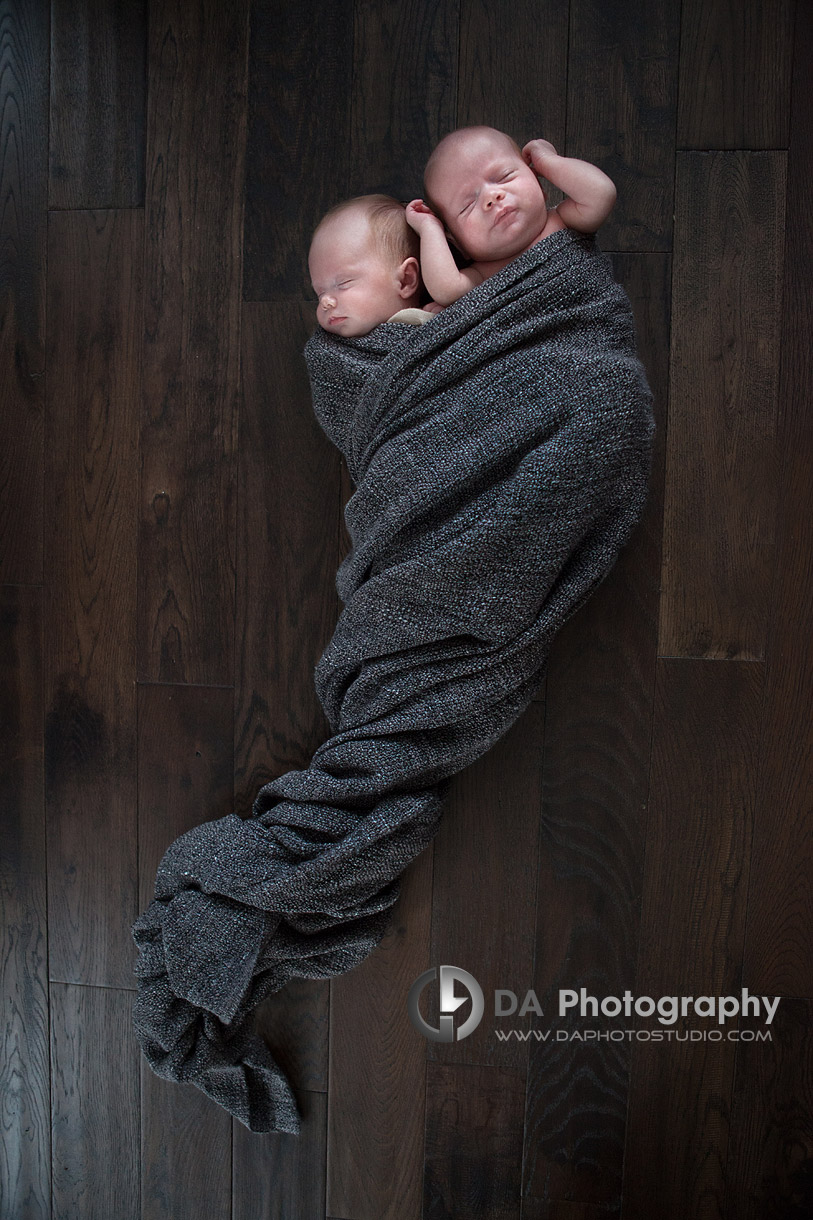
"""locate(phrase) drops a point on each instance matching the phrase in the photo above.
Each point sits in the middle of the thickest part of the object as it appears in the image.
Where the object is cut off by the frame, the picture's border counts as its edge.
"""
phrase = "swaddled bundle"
(501, 456)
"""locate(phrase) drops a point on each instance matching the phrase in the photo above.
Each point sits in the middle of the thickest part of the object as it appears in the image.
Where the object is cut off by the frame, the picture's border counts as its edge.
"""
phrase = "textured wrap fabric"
(500, 456)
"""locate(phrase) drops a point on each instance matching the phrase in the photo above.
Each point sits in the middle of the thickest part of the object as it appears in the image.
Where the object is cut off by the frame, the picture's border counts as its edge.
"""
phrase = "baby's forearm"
(441, 275)
(590, 193)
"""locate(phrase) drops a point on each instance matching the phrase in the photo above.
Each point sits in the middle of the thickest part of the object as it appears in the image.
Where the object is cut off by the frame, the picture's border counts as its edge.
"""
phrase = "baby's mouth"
(504, 215)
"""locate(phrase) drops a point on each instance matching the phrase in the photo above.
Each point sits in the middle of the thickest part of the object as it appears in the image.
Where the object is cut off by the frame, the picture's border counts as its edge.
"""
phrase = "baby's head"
(488, 197)
(363, 264)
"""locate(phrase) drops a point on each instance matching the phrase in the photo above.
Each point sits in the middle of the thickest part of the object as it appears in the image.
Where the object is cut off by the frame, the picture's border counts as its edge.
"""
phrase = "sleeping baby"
(486, 198)
(363, 264)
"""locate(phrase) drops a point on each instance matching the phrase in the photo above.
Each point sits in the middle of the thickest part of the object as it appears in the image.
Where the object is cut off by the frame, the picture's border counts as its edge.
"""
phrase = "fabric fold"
(500, 455)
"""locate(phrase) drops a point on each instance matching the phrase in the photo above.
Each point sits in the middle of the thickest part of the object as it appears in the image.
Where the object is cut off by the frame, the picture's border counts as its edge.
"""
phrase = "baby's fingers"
(539, 148)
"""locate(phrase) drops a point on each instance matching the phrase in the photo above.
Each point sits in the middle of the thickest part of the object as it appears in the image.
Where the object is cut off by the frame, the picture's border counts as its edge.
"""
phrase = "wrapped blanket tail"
(500, 456)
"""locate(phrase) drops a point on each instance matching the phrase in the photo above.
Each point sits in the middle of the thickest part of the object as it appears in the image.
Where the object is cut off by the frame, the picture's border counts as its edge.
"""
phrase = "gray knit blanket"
(500, 455)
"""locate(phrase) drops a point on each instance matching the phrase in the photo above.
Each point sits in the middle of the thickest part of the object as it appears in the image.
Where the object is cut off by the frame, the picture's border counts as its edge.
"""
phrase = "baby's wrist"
(543, 160)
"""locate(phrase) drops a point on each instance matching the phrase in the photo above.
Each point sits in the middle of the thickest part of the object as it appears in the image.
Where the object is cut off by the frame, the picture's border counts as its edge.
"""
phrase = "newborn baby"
(363, 264)
(486, 197)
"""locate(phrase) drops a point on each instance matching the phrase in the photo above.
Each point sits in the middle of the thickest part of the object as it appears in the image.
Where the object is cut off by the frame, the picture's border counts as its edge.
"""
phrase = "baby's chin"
(354, 328)
(347, 328)
(505, 250)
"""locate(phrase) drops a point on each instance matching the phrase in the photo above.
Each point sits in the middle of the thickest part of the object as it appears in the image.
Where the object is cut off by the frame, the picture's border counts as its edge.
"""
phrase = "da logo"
(449, 1002)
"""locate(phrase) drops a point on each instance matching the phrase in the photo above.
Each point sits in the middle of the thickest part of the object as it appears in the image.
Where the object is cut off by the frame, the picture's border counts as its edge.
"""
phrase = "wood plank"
(98, 97)
(512, 65)
(735, 70)
(94, 297)
(646, 278)
(484, 890)
(185, 768)
(287, 605)
(185, 776)
(779, 945)
(195, 165)
(299, 73)
(23, 179)
(770, 1162)
(295, 1022)
(376, 1095)
(94, 1101)
(596, 769)
(706, 732)
(25, 1083)
(561, 1209)
(186, 1152)
(287, 608)
(600, 691)
(473, 1142)
(722, 464)
(621, 98)
(282, 1177)
(413, 48)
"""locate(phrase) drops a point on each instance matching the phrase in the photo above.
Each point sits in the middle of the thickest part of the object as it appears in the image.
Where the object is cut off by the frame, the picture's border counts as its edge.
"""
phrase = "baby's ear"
(410, 275)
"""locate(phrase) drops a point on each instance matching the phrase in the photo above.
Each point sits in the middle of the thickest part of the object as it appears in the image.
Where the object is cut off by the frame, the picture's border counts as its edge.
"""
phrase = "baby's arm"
(591, 194)
(444, 281)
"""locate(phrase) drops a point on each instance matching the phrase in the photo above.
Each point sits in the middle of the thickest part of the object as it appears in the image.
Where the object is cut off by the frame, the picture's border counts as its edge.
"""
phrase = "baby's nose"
(327, 301)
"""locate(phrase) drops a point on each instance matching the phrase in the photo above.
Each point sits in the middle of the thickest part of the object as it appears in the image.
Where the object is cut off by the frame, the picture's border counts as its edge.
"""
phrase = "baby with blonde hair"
(364, 269)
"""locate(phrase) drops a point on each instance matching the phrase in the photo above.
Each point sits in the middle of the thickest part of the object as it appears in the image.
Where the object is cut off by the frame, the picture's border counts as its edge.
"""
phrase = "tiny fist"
(540, 147)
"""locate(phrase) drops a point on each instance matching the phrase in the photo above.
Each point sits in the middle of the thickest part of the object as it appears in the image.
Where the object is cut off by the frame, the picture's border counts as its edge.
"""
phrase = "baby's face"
(356, 286)
(490, 200)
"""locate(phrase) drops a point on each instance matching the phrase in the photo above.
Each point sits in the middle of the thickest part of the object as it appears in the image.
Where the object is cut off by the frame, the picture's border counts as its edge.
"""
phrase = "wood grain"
(25, 1085)
(297, 157)
(705, 737)
(779, 943)
(622, 72)
(98, 96)
(769, 1169)
(94, 1103)
(735, 69)
(282, 1177)
(94, 291)
(192, 278)
(484, 890)
(286, 610)
(473, 1142)
(185, 768)
(376, 1097)
(513, 70)
(186, 1152)
(722, 469)
(561, 1209)
(600, 690)
(287, 606)
(23, 232)
(411, 46)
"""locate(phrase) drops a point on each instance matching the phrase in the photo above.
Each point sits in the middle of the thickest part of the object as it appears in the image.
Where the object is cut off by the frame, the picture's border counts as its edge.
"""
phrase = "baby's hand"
(420, 216)
(433, 307)
(535, 153)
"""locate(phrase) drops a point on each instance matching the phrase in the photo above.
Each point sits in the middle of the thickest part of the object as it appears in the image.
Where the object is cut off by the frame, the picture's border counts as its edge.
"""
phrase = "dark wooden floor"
(171, 525)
